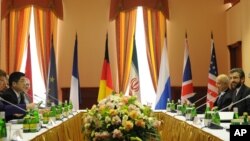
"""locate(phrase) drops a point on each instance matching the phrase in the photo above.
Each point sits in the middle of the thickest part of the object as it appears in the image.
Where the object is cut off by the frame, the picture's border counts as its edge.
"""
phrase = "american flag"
(187, 83)
(212, 91)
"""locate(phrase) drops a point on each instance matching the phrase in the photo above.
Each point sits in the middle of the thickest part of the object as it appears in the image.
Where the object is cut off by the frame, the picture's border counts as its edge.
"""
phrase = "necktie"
(219, 99)
(18, 99)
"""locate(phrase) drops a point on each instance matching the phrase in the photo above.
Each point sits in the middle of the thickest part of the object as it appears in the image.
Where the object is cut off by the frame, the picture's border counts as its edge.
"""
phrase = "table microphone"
(200, 99)
(205, 102)
(52, 97)
(12, 104)
(47, 100)
(235, 103)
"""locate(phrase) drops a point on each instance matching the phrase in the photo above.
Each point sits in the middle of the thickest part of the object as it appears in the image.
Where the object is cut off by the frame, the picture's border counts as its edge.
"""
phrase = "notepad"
(226, 116)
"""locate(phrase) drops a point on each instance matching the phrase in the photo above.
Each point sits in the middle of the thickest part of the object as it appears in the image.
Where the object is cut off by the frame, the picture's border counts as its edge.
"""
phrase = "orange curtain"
(116, 6)
(17, 27)
(233, 2)
(45, 26)
(125, 28)
(155, 29)
(54, 5)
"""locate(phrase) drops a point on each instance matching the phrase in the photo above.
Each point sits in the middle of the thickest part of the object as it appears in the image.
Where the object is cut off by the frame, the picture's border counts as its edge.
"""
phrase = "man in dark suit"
(14, 94)
(225, 96)
(240, 90)
(17, 85)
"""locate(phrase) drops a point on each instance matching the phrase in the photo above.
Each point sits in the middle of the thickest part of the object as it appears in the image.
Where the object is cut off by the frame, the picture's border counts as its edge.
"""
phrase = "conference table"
(174, 128)
(67, 129)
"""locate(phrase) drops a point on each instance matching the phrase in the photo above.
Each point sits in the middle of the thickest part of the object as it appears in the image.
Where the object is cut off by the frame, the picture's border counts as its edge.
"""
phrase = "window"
(38, 83)
(148, 94)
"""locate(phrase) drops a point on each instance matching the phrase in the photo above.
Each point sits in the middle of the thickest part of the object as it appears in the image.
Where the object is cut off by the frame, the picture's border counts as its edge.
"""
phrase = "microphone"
(232, 104)
(52, 97)
(13, 104)
(43, 98)
(203, 104)
(38, 104)
(200, 99)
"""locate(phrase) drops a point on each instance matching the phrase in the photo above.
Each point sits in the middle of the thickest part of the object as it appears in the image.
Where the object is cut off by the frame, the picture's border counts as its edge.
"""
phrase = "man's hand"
(214, 108)
(30, 106)
(18, 115)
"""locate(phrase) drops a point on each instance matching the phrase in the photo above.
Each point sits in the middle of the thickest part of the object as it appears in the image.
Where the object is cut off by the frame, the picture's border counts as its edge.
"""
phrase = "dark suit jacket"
(243, 106)
(10, 96)
(224, 101)
(10, 110)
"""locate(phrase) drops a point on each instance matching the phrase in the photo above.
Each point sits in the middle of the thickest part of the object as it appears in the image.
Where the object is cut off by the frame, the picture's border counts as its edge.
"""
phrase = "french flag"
(163, 88)
(75, 83)
(187, 83)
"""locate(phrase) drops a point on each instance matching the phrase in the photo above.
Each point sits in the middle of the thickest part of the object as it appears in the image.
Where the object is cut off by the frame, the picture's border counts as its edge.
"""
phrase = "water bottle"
(208, 116)
(53, 112)
(216, 116)
(236, 115)
(172, 107)
(70, 107)
(65, 109)
(245, 118)
(194, 112)
(179, 107)
(26, 123)
(3, 130)
(59, 111)
(37, 119)
(168, 108)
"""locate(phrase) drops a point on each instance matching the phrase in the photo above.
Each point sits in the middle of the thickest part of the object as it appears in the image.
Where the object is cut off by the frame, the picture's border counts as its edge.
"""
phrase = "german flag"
(106, 86)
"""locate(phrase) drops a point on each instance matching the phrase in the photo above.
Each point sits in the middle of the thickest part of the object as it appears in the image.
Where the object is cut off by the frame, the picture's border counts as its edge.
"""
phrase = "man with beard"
(240, 90)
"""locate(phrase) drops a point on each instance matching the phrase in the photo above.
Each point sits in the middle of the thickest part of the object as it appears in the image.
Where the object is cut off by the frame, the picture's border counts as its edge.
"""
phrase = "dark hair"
(3, 73)
(15, 77)
(238, 70)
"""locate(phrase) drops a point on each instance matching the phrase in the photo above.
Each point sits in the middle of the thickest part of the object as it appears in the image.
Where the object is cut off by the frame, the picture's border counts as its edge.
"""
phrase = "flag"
(52, 77)
(75, 96)
(106, 86)
(163, 88)
(134, 83)
(212, 90)
(28, 71)
(187, 83)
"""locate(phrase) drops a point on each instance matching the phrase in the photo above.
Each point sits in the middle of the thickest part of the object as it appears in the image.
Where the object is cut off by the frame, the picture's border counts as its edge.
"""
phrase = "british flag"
(187, 83)
(212, 91)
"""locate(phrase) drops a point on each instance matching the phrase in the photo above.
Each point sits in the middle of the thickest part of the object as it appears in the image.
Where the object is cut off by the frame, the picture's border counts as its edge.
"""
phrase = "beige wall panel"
(198, 18)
